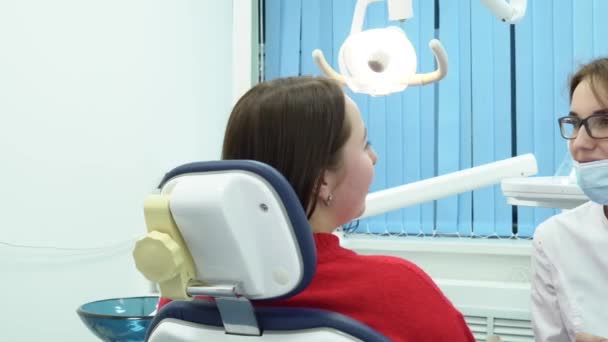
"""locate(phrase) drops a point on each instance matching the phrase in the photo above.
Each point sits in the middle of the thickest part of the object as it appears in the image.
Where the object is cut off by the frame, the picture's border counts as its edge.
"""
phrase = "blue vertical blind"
(505, 88)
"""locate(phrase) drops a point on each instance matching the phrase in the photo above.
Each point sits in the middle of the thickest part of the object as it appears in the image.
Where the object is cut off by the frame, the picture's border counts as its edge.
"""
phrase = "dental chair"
(235, 233)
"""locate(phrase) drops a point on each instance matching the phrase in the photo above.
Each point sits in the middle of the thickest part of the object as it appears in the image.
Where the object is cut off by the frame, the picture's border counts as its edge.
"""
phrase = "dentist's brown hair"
(596, 72)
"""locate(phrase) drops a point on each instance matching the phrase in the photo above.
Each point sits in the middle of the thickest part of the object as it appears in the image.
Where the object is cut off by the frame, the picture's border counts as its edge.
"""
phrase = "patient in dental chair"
(311, 132)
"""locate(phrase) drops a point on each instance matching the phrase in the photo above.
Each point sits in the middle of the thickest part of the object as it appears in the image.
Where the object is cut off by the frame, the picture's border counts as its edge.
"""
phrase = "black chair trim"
(205, 312)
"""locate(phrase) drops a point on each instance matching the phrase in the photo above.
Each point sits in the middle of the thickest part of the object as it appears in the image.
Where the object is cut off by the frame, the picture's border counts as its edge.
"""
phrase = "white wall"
(97, 100)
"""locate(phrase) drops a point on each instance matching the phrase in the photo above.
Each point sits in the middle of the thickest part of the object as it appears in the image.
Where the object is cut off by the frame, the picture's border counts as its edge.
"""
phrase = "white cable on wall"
(16, 253)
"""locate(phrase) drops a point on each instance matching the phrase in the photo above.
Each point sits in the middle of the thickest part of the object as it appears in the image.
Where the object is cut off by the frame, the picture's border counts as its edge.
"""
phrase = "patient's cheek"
(353, 191)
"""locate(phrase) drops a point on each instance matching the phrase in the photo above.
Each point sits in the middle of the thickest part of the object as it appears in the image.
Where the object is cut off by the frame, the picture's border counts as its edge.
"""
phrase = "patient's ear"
(327, 184)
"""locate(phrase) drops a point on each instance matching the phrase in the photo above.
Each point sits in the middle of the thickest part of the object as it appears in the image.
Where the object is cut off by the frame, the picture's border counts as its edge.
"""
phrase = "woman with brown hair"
(570, 256)
(312, 133)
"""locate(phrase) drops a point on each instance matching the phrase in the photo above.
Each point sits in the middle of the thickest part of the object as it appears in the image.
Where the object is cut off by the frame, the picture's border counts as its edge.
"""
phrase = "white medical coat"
(570, 275)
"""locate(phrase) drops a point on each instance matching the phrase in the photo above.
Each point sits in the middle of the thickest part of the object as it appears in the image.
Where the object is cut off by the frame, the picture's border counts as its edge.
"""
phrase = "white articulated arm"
(430, 189)
(359, 16)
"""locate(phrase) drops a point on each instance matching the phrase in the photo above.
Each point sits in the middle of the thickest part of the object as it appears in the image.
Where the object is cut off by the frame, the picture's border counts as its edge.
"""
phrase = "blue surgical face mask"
(592, 178)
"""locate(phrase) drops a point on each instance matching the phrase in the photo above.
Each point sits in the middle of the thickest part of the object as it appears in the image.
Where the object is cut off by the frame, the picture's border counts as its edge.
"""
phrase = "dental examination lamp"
(434, 188)
(381, 61)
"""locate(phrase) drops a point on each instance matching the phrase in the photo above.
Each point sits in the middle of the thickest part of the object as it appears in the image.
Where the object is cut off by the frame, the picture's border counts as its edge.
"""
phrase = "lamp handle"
(317, 56)
(441, 57)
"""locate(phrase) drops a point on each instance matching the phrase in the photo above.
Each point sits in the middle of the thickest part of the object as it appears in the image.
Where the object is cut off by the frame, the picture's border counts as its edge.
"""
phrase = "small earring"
(328, 200)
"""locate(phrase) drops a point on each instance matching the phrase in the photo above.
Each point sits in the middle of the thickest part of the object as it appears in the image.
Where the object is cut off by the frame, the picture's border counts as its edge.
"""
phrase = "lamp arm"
(383, 201)
(441, 57)
(359, 16)
(508, 11)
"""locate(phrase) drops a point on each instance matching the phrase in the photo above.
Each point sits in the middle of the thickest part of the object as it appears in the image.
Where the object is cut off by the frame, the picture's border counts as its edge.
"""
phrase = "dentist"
(570, 255)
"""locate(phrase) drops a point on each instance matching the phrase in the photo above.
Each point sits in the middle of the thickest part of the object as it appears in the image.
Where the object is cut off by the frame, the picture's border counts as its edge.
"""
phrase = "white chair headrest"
(242, 225)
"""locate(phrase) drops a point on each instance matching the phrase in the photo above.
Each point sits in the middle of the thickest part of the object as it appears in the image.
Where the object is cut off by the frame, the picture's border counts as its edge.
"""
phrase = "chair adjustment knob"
(158, 257)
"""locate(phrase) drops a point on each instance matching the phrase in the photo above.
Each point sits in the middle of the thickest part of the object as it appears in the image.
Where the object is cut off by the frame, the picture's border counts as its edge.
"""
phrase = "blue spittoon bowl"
(119, 319)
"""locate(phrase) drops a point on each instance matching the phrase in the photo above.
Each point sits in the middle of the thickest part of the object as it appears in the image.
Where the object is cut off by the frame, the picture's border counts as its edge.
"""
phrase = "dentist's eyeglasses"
(596, 126)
